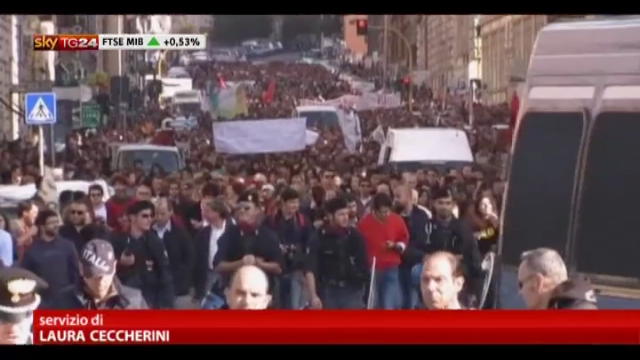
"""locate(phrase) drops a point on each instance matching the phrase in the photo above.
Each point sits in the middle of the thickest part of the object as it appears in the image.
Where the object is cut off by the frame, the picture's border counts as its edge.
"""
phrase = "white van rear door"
(431, 145)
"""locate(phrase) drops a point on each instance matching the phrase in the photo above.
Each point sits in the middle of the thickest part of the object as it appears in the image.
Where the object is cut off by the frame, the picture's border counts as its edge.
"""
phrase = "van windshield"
(167, 161)
(318, 119)
(609, 216)
(541, 182)
(188, 108)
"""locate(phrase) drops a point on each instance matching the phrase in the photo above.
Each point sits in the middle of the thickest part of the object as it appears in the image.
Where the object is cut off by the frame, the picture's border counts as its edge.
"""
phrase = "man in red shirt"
(387, 237)
(117, 205)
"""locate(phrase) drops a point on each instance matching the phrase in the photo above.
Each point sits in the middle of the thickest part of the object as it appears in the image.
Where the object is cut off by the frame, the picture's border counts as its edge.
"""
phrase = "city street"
(397, 162)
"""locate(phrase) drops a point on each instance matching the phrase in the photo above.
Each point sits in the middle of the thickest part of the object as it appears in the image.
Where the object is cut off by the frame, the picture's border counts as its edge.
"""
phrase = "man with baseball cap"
(18, 299)
(99, 288)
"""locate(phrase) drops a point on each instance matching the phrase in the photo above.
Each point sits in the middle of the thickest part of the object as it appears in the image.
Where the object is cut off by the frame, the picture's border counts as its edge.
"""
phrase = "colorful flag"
(230, 101)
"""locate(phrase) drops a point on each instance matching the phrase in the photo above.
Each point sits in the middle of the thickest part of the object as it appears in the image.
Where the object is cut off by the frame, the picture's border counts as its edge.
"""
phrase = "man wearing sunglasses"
(544, 283)
(143, 262)
(77, 227)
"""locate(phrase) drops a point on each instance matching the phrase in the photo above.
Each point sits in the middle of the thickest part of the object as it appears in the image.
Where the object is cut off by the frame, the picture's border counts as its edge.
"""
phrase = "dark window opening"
(538, 208)
(607, 234)
(320, 119)
(167, 161)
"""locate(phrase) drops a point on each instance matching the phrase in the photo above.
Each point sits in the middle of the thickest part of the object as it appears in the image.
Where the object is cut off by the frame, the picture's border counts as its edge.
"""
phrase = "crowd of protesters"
(313, 221)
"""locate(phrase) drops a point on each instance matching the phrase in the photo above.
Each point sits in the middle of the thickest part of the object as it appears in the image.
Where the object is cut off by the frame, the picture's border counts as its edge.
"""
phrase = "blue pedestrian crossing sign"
(40, 108)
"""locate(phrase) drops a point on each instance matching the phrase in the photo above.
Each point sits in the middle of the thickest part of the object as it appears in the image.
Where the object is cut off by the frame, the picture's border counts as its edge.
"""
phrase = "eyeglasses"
(95, 195)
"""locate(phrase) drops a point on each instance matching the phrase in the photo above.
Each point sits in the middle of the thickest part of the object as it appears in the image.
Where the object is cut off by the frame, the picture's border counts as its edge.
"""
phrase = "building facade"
(201, 24)
(21, 69)
(507, 44)
(439, 45)
(449, 51)
(5, 73)
(400, 47)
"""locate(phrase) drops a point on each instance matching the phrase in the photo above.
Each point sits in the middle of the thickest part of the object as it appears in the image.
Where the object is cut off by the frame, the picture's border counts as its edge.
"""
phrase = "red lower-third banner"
(336, 327)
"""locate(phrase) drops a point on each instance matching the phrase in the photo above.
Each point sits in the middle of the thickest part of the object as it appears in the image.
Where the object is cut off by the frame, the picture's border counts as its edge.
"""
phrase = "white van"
(409, 149)
(319, 116)
(188, 102)
(573, 178)
(169, 159)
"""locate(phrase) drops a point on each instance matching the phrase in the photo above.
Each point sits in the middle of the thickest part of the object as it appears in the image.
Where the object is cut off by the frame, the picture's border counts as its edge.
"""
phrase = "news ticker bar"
(79, 42)
(336, 327)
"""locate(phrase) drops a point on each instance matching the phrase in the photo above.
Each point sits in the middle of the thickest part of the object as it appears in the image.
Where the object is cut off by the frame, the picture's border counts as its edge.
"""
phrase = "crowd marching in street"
(322, 228)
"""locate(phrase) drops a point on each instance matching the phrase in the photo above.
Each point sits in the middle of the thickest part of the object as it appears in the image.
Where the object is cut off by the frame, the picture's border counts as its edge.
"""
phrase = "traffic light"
(361, 27)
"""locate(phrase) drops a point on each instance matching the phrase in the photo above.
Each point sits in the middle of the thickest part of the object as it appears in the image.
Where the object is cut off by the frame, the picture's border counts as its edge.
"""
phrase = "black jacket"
(191, 211)
(151, 272)
(80, 238)
(179, 247)
(338, 256)
(75, 297)
(574, 294)
(455, 237)
(416, 222)
(293, 236)
(202, 244)
(235, 244)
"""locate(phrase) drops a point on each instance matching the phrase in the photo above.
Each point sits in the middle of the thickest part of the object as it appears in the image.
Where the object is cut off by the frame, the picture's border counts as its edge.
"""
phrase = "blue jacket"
(56, 262)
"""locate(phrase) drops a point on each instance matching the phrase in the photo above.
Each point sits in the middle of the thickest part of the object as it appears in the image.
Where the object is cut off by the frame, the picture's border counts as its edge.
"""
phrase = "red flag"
(267, 96)
(221, 83)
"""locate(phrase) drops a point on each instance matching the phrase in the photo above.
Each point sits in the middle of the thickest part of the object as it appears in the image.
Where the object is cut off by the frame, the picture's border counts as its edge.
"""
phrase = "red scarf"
(247, 228)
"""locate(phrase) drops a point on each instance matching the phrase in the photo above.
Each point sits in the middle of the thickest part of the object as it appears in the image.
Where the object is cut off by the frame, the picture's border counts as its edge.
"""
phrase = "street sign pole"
(52, 149)
(41, 149)
(40, 109)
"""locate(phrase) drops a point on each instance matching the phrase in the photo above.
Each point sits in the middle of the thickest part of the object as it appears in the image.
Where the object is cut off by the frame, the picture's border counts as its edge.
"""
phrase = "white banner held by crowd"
(260, 136)
(312, 137)
(350, 125)
(366, 101)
